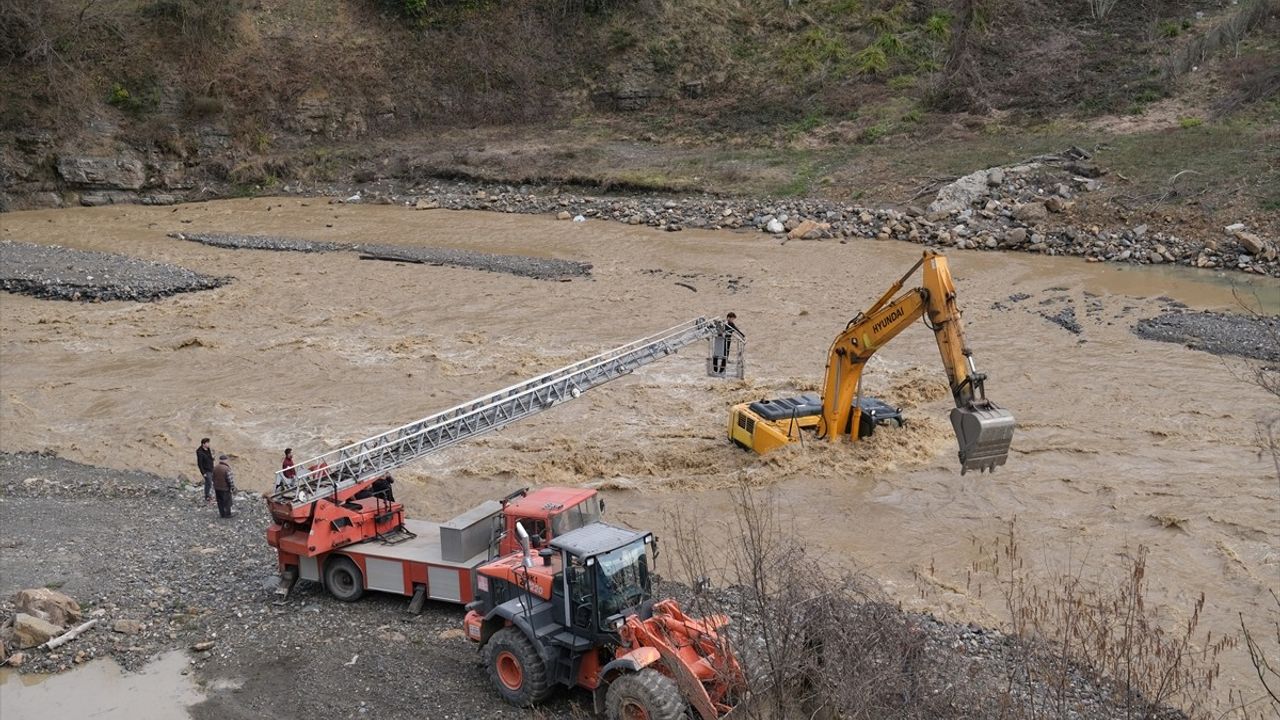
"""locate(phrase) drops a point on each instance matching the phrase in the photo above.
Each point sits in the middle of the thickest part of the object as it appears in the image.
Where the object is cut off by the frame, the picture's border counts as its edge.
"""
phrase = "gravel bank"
(259, 242)
(1250, 336)
(531, 267)
(59, 273)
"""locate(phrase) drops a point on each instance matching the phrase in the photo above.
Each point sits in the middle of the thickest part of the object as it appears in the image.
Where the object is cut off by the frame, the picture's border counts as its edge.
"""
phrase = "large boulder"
(111, 173)
(1255, 245)
(962, 193)
(48, 605)
(808, 230)
(1031, 212)
(30, 631)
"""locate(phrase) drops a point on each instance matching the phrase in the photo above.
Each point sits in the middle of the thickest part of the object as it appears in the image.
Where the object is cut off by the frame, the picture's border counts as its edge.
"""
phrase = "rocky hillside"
(158, 100)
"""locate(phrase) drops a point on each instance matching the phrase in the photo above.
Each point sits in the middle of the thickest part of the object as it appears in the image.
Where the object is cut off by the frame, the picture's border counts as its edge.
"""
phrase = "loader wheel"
(343, 579)
(644, 695)
(515, 669)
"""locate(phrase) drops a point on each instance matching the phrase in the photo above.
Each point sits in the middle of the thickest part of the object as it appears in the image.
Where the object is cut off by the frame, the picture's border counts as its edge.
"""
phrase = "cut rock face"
(108, 173)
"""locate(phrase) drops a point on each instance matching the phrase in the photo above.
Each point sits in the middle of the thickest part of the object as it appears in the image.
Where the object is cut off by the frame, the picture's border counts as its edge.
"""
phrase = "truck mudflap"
(985, 433)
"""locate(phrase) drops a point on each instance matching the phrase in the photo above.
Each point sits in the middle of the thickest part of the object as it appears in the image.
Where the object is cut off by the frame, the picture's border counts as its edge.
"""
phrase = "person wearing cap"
(224, 483)
(204, 461)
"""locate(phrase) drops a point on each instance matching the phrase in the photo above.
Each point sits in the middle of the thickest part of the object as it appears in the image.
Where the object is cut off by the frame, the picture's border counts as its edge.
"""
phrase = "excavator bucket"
(984, 433)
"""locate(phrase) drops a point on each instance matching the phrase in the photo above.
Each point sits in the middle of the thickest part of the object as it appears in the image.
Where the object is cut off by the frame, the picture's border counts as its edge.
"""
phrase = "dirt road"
(1122, 441)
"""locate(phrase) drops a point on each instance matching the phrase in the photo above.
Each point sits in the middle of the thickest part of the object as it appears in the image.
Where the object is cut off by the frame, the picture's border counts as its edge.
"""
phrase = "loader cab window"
(622, 580)
(580, 515)
(581, 607)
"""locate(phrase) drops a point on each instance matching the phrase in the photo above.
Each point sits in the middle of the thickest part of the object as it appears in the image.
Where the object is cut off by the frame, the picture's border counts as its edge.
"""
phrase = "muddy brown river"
(1121, 442)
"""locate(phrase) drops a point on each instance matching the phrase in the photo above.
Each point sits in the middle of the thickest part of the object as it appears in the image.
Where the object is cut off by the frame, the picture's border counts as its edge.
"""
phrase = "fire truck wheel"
(343, 579)
(644, 695)
(515, 669)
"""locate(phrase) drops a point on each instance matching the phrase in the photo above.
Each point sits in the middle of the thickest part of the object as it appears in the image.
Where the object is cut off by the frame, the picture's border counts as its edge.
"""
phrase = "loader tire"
(343, 579)
(645, 695)
(515, 668)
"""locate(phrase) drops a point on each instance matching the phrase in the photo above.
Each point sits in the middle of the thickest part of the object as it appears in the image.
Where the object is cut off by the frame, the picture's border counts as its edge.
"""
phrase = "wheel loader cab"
(600, 589)
(586, 582)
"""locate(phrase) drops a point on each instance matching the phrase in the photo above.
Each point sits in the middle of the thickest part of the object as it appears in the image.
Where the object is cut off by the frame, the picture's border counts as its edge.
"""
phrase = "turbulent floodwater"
(1121, 441)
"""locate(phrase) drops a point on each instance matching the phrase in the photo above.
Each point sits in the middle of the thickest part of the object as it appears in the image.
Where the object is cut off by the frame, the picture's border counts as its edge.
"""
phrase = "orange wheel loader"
(583, 614)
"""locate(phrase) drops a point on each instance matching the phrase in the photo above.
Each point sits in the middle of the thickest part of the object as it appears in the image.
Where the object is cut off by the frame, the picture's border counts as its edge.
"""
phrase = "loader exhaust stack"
(984, 432)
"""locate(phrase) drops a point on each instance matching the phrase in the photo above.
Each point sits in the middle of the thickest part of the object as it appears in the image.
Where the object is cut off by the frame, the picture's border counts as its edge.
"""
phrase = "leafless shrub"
(1105, 628)
(1266, 661)
(1100, 9)
(1229, 31)
(824, 643)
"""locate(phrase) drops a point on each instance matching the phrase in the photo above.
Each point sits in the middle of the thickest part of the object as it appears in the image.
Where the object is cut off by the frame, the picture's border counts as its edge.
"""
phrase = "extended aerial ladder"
(339, 476)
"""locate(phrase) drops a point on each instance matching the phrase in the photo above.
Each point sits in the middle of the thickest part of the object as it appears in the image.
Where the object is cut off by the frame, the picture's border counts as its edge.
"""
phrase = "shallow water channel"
(101, 690)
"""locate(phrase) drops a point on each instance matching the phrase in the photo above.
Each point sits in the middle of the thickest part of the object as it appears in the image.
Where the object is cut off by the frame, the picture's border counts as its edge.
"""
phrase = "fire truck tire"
(515, 669)
(644, 695)
(343, 579)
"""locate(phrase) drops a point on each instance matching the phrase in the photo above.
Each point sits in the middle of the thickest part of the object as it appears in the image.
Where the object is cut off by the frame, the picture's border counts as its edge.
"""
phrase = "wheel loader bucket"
(984, 433)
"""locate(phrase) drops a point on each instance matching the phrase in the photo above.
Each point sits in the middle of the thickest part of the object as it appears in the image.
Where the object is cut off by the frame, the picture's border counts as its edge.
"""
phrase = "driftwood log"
(69, 635)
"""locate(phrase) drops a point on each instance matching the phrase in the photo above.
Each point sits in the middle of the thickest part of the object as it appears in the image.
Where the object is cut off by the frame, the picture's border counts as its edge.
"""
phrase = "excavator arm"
(983, 430)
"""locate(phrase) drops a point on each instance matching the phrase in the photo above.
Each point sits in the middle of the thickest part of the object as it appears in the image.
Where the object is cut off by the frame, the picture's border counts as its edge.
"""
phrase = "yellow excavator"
(983, 429)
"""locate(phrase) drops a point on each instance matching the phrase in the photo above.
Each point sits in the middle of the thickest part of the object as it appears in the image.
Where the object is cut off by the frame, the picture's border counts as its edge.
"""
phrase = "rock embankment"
(61, 273)
(520, 265)
(1027, 207)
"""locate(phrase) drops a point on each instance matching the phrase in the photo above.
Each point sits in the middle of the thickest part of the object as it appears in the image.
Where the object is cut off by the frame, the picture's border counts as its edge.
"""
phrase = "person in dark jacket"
(224, 483)
(204, 460)
(724, 343)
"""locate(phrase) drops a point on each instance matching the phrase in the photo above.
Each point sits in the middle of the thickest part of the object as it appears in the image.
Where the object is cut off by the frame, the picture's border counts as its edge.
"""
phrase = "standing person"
(224, 483)
(288, 469)
(204, 460)
(723, 343)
